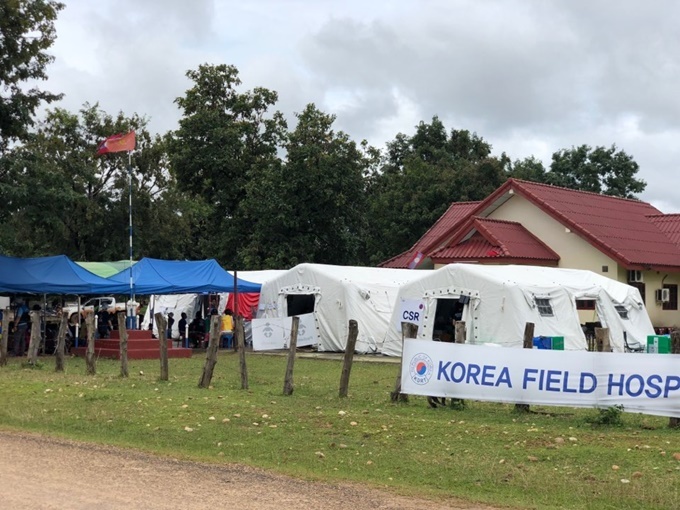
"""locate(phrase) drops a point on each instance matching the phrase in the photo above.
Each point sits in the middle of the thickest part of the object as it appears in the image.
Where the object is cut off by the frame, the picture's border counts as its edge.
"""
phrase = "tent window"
(300, 304)
(622, 311)
(544, 307)
(585, 304)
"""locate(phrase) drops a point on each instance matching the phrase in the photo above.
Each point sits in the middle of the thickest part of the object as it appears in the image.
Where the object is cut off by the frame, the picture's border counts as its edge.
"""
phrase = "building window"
(641, 287)
(605, 269)
(672, 303)
(544, 307)
(585, 304)
(623, 313)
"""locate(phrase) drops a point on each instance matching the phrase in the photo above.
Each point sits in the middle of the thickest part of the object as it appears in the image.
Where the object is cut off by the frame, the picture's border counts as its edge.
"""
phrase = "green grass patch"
(557, 458)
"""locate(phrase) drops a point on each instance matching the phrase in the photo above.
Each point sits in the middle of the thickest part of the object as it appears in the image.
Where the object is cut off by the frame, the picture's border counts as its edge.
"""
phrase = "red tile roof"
(619, 227)
(633, 233)
(669, 224)
(500, 240)
(436, 235)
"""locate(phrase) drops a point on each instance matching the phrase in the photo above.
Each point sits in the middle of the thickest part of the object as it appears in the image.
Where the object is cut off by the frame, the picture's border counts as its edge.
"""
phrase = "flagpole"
(132, 292)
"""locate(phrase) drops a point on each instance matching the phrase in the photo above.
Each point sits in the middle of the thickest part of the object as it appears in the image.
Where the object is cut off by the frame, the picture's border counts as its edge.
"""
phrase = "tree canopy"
(310, 207)
(26, 32)
(232, 182)
(420, 176)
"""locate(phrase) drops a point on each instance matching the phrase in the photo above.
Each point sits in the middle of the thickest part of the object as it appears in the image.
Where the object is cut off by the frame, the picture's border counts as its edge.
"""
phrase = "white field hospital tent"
(497, 301)
(336, 295)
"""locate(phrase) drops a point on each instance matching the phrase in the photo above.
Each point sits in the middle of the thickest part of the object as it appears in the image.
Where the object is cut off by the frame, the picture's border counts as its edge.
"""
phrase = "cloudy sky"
(529, 76)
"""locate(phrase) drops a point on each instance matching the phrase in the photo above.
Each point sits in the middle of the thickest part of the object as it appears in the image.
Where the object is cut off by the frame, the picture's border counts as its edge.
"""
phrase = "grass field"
(486, 452)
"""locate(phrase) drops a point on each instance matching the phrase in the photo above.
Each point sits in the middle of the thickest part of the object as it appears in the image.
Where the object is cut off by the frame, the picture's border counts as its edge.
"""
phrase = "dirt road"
(37, 472)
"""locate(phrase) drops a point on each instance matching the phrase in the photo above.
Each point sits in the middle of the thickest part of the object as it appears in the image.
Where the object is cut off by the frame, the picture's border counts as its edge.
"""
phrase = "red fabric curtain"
(247, 302)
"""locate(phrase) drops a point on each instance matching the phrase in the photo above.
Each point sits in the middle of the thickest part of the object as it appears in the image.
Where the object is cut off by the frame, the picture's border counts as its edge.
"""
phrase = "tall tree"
(62, 198)
(600, 170)
(26, 32)
(310, 209)
(420, 177)
(225, 138)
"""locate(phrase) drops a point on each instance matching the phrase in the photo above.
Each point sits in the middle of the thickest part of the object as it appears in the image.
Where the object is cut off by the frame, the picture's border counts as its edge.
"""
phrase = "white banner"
(268, 334)
(410, 310)
(307, 332)
(274, 333)
(644, 383)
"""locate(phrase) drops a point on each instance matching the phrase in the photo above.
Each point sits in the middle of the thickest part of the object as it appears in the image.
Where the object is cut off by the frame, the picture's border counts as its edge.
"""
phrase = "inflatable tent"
(497, 301)
(336, 295)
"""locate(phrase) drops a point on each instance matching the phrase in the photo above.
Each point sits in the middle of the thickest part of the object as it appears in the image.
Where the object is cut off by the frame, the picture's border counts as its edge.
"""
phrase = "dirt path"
(44, 473)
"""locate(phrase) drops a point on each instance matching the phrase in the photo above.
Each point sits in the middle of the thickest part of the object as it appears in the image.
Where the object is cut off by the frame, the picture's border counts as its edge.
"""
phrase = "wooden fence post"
(89, 353)
(460, 338)
(602, 340)
(674, 423)
(211, 352)
(34, 343)
(528, 344)
(123, 338)
(240, 342)
(61, 343)
(408, 330)
(349, 357)
(162, 325)
(460, 332)
(288, 379)
(5, 334)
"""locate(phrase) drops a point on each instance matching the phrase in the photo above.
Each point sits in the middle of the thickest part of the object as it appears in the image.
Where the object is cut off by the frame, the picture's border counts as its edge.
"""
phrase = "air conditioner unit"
(635, 276)
(663, 295)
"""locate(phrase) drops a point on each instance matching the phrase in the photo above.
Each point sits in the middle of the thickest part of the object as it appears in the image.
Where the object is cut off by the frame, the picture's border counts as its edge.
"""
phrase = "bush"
(610, 416)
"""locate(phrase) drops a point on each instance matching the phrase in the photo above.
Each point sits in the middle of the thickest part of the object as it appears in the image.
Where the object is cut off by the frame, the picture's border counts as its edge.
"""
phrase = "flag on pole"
(117, 143)
(417, 258)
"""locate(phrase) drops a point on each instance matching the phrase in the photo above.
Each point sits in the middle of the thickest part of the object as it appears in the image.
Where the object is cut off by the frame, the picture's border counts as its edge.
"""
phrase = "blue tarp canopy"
(154, 276)
(52, 275)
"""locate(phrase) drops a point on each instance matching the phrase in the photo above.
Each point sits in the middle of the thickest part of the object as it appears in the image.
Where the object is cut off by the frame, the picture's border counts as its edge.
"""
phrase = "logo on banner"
(267, 330)
(421, 368)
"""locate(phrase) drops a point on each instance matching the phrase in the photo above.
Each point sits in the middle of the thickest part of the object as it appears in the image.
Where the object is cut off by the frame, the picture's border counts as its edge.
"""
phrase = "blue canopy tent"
(52, 275)
(154, 276)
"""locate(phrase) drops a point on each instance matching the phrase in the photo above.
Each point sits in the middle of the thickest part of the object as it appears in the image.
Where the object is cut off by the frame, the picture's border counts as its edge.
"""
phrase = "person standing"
(171, 321)
(227, 329)
(104, 324)
(21, 321)
(183, 330)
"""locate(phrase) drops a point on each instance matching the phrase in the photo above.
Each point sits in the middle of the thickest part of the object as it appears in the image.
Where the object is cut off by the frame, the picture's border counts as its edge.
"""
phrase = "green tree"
(528, 169)
(225, 138)
(62, 198)
(311, 208)
(26, 32)
(419, 179)
(600, 170)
